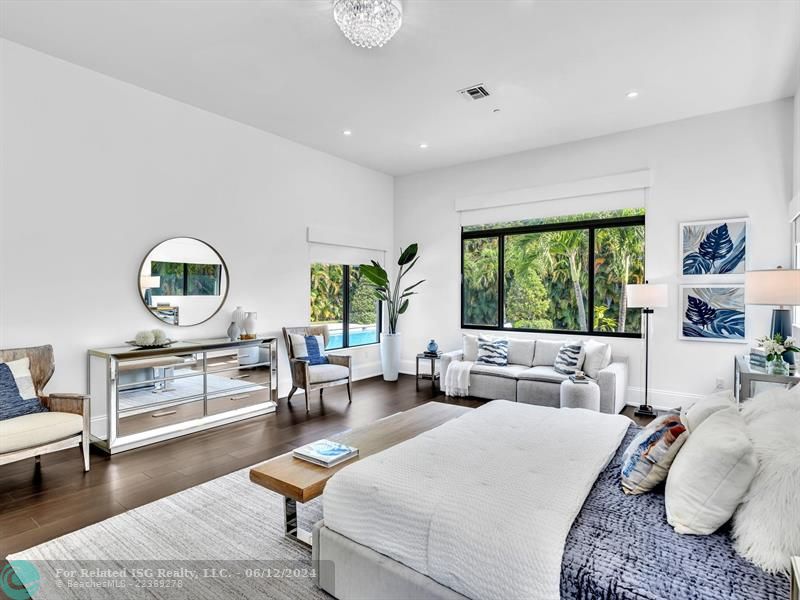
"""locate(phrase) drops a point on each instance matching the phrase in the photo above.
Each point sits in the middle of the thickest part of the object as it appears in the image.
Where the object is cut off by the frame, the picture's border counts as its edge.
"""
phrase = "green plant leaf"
(407, 255)
(403, 307)
(375, 274)
(411, 287)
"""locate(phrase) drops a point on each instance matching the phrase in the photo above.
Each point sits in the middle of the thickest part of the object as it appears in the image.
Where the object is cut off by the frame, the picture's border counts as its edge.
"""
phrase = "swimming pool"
(357, 338)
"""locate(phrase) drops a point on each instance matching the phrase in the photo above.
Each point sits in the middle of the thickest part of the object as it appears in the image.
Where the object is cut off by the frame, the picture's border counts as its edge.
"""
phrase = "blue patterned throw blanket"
(622, 548)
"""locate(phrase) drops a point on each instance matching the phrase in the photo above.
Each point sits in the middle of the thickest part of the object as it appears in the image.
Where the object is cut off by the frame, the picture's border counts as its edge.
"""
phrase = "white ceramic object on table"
(390, 356)
(250, 323)
(238, 317)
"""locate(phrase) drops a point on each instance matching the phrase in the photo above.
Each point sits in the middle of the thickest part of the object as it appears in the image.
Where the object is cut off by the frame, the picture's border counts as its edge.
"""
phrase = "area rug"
(221, 539)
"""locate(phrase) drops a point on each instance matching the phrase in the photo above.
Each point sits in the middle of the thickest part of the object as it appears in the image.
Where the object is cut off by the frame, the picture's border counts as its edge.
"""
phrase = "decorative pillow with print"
(570, 358)
(647, 459)
(17, 392)
(492, 352)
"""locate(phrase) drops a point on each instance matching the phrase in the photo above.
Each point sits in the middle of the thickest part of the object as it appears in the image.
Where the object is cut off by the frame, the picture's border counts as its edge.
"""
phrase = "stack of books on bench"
(758, 358)
(325, 453)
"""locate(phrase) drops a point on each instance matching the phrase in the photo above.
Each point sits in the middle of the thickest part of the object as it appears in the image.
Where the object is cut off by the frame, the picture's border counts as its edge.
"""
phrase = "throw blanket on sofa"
(456, 378)
(444, 502)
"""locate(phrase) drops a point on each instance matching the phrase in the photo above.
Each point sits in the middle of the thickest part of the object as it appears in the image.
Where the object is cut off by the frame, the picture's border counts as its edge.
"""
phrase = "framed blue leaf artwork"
(713, 313)
(714, 248)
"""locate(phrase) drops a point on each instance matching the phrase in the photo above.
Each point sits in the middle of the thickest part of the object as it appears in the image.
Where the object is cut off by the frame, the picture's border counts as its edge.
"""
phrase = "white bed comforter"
(482, 504)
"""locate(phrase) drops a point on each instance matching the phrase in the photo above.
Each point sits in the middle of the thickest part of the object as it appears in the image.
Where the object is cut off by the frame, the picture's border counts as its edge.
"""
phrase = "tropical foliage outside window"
(549, 272)
(342, 299)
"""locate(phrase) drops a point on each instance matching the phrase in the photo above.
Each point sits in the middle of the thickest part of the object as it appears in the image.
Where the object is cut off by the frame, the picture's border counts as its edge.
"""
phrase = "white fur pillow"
(766, 527)
(710, 475)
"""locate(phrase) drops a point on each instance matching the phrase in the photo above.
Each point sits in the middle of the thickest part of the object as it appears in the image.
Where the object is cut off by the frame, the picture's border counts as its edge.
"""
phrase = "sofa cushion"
(520, 352)
(37, 429)
(542, 373)
(309, 347)
(509, 371)
(570, 358)
(597, 357)
(325, 373)
(546, 352)
(470, 343)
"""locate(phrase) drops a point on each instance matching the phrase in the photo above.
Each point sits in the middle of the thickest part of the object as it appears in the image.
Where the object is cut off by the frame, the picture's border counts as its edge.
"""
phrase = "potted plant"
(775, 347)
(396, 304)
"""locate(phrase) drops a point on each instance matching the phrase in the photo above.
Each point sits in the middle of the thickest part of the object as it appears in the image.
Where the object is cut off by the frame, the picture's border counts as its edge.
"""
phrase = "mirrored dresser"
(143, 396)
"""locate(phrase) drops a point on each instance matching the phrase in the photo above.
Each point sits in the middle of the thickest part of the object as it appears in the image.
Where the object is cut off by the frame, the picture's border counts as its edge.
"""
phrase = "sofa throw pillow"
(648, 457)
(520, 352)
(569, 358)
(470, 347)
(492, 352)
(17, 393)
(766, 526)
(597, 357)
(698, 412)
(546, 352)
(310, 348)
(710, 475)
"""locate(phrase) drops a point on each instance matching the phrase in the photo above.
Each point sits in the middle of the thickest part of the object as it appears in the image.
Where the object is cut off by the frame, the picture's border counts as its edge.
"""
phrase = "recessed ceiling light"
(347, 132)
(632, 94)
(423, 145)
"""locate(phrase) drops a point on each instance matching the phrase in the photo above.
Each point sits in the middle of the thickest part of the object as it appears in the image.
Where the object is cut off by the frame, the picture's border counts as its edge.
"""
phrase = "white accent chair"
(310, 377)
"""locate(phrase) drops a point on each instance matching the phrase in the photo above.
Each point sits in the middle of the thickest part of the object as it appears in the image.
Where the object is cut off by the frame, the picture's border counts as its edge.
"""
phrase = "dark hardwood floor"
(39, 504)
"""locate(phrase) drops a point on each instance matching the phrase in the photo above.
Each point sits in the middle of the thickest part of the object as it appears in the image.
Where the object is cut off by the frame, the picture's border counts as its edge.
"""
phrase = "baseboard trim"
(660, 399)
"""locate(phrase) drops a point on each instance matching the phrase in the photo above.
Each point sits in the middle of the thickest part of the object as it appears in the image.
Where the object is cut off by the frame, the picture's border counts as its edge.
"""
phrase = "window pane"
(363, 322)
(619, 260)
(327, 300)
(480, 281)
(546, 280)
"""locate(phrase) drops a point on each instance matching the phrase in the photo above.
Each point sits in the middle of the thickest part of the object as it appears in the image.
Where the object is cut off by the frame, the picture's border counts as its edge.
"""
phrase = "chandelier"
(368, 23)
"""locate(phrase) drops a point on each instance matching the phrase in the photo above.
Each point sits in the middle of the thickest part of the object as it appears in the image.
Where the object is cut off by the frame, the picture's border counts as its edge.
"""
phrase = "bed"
(618, 548)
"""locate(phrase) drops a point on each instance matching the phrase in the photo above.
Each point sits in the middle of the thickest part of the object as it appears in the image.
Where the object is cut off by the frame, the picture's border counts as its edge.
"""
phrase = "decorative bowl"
(165, 344)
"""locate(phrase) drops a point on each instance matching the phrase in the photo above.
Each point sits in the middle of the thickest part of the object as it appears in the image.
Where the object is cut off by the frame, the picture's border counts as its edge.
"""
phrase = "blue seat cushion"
(316, 355)
(12, 404)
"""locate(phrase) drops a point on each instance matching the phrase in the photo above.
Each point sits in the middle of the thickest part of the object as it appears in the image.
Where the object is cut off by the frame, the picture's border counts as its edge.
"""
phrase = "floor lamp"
(646, 296)
(775, 287)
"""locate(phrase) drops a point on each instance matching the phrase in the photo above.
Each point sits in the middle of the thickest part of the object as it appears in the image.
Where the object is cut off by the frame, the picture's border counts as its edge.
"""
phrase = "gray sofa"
(531, 378)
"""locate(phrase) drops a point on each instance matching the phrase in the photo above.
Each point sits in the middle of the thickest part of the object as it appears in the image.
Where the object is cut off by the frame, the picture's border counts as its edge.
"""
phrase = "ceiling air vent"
(475, 92)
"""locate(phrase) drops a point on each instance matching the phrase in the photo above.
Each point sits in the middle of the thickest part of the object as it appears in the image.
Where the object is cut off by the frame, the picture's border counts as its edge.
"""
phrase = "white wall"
(96, 172)
(729, 164)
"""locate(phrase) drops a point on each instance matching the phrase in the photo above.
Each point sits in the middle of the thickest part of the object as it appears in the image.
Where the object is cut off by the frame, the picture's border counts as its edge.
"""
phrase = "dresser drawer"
(160, 417)
(252, 375)
(239, 399)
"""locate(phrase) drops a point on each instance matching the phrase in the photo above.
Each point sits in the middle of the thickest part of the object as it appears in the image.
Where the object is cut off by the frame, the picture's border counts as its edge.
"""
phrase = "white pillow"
(597, 357)
(710, 475)
(766, 526)
(21, 372)
(546, 353)
(698, 412)
(520, 352)
(470, 347)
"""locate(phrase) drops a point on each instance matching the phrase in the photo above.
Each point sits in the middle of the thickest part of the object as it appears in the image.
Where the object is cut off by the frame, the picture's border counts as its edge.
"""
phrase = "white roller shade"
(343, 248)
(555, 208)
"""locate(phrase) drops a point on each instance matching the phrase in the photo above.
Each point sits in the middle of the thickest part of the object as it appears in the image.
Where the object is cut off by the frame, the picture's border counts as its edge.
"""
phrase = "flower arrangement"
(776, 345)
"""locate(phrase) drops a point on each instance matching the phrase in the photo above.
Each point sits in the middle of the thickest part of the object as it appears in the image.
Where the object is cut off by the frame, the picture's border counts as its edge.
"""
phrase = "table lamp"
(148, 283)
(646, 296)
(775, 287)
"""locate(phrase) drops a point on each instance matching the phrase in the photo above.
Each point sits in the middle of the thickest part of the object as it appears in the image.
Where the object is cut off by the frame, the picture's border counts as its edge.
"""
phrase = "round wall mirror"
(183, 281)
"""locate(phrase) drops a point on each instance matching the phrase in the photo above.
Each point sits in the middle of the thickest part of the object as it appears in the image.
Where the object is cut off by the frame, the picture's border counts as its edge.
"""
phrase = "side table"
(745, 374)
(434, 373)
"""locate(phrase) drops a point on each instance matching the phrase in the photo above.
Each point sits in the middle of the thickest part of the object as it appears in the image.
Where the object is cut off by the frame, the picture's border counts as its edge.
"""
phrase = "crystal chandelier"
(368, 23)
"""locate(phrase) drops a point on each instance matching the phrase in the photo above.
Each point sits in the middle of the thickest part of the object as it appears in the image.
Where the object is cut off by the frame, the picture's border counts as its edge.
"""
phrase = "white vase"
(238, 317)
(390, 355)
(250, 323)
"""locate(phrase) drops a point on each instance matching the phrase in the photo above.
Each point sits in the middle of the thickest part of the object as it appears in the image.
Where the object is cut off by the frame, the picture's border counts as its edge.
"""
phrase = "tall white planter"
(390, 355)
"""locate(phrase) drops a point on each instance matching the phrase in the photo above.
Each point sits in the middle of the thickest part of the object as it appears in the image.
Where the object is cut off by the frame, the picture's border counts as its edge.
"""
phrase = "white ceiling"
(558, 70)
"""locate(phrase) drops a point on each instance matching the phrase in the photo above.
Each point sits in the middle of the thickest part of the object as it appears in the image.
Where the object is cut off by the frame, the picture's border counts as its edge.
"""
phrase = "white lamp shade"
(773, 287)
(149, 282)
(646, 295)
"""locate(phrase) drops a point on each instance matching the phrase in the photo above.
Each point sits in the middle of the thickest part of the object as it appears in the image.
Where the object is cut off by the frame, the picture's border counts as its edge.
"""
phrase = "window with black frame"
(343, 300)
(561, 274)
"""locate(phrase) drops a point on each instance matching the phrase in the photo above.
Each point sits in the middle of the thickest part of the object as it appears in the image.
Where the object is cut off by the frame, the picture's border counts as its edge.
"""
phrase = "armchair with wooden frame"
(65, 425)
(310, 377)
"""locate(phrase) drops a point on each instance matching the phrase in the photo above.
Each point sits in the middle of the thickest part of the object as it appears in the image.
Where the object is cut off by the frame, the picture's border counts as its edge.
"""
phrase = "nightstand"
(434, 374)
